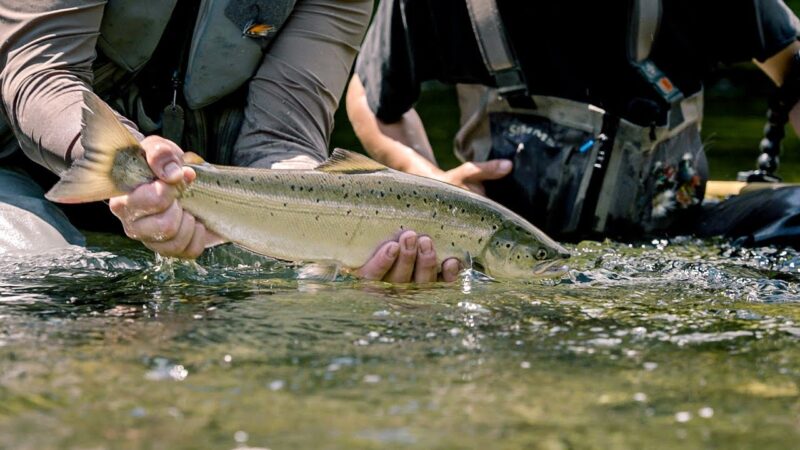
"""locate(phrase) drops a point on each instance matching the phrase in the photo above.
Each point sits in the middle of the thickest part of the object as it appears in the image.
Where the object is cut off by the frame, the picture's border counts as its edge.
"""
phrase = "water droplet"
(372, 379)
(240, 436)
(706, 412)
(640, 397)
(650, 366)
(525, 365)
(683, 416)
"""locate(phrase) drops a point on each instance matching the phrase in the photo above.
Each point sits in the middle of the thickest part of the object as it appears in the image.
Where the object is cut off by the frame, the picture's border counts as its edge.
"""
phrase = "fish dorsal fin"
(343, 161)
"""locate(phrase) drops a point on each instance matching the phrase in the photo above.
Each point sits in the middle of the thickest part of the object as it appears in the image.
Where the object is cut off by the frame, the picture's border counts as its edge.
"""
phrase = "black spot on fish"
(494, 227)
(463, 210)
(380, 182)
(399, 196)
(316, 217)
(358, 195)
(408, 205)
(346, 195)
(376, 212)
(480, 240)
(236, 181)
(300, 189)
(414, 192)
(402, 227)
(292, 187)
(349, 211)
(218, 184)
(452, 244)
(482, 218)
(442, 227)
(434, 214)
(310, 189)
(284, 205)
(508, 245)
(253, 179)
(317, 200)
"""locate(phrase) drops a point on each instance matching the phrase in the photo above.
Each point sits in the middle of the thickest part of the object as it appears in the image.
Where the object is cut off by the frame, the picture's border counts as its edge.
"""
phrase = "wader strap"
(642, 30)
(645, 20)
(497, 52)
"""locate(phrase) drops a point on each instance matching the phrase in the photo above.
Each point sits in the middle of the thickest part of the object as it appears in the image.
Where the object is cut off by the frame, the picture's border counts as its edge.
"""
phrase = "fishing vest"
(226, 48)
(579, 170)
(229, 39)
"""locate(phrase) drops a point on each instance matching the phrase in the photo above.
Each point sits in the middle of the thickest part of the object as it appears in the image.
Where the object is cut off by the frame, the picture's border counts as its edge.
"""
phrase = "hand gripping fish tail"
(337, 213)
(113, 162)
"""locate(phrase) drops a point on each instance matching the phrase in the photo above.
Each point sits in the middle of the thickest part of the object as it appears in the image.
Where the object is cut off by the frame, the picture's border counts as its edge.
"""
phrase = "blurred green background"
(736, 103)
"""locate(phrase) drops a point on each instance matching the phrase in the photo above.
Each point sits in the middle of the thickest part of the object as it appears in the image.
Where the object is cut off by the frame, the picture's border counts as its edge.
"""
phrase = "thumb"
(164, 158)
(486, 170)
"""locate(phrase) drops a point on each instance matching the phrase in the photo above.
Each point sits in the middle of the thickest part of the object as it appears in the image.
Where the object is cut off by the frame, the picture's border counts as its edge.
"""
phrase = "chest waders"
(579, 170)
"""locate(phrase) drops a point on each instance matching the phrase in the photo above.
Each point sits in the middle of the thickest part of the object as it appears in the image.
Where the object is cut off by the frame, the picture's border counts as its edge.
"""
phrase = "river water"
(665, 344)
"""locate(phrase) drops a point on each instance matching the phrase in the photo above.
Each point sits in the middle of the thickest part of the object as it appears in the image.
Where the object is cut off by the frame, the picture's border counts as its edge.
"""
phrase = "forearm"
(295, 93)
(48, 57)
(402, 145)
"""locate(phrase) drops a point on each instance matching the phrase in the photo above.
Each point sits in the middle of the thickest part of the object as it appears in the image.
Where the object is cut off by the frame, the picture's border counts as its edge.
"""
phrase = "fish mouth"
(548, 269)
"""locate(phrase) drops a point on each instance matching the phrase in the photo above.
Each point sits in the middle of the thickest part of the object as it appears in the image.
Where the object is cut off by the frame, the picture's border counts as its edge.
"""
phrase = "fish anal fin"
(321, 271)
(344, 161)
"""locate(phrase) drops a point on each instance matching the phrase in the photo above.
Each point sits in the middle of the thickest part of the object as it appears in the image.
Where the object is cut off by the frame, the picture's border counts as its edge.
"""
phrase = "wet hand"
(410, 258)
(471, 175)
(151, 213)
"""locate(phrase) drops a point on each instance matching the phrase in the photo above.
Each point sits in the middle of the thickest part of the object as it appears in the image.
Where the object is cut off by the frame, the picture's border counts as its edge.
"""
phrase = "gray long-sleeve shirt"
(47, 48)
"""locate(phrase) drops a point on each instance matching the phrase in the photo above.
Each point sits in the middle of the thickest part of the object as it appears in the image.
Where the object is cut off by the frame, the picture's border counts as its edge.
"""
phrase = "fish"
(338, 213)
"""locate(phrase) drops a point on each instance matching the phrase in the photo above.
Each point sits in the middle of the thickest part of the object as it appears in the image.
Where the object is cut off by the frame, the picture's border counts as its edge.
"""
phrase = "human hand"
(410, 258)
(471, 175)
(151, 212)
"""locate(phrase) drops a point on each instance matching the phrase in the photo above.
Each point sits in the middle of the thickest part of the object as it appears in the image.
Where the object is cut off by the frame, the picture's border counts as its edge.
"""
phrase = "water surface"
(667, 344)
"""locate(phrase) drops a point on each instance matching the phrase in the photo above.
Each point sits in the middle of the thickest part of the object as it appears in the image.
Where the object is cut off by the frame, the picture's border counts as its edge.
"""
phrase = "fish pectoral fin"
(321, 271)
(344, 161)
(475, 275)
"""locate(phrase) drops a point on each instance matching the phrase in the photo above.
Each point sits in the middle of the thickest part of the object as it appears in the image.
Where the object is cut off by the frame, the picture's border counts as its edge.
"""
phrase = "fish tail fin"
(103, 138)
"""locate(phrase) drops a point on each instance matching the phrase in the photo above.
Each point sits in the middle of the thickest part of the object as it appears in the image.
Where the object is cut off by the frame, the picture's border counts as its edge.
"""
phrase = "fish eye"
(541, 254)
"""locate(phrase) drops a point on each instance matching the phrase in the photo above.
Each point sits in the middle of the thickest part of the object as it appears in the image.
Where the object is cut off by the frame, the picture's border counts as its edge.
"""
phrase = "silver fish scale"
(321, 216)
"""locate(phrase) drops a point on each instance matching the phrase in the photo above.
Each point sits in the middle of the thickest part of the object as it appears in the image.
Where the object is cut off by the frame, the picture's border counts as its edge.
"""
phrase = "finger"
(160, 227)
(176, 246)
(450, 269)
(145, 200)
(425, 270)
(165, 158)
(486, 170)
(377, 266)
(477, 188)
(198, 242)
(403, 268)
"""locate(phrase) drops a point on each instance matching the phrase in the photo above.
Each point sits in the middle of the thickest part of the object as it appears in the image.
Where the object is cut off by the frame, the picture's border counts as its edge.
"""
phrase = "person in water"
(243, 82)
(584, 117)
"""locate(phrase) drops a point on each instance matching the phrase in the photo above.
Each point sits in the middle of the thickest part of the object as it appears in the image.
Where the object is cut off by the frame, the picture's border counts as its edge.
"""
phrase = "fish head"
(523, 252)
